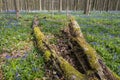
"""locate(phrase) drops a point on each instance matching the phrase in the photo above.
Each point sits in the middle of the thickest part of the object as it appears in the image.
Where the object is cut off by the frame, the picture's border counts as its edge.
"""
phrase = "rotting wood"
(61, 65)
(92, 67)
(99, 70)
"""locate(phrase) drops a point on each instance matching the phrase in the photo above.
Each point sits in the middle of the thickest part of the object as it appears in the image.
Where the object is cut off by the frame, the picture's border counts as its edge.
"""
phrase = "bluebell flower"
(118, 67)
(8, 57)
(11, 11)
(111, 36)
(94, 43)
(115, 57)
(16, 74)
(101, 33)
(25, 55)
(35, 69)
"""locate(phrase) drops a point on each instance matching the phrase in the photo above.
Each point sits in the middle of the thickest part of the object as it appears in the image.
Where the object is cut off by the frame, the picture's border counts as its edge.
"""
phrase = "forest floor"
(20, 59)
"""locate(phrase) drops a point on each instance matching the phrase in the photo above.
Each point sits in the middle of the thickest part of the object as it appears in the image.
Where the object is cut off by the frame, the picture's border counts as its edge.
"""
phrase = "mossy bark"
(94, 68)
(98, 68)
(62, 66)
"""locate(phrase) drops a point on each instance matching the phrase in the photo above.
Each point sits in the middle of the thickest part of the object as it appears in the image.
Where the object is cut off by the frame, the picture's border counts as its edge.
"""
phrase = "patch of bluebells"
(25, 55)
(119, 70)
(94, 43)
(26, 67)
(8, 57)
(114, 56)
(34, 69)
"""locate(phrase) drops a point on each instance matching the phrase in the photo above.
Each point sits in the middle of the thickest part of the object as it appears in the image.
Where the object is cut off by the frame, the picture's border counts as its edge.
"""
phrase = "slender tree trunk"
(16, 8)
(49, 5)
(67, 7)
(27, 5)
(1, 5)
(117, 4)
(44, 8)
(104, 2)
(52, 6)
(7, 8)
(86, 8)
(60, 5)
(74, 5)
(89, 8)
(40, 5)
(77, 5)
(108, 5)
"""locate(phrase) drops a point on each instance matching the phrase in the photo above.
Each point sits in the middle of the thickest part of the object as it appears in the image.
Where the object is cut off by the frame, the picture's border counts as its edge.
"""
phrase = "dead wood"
(92, 64)
(73, 58)
(55, 62)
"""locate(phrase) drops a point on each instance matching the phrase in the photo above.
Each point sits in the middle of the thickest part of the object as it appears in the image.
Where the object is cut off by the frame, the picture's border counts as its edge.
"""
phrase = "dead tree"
(90, 64)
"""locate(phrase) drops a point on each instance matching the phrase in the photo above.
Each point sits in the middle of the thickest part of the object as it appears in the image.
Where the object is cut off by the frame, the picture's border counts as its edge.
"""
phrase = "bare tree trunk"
(77, 5)
(108, 5)
(44, 5)
(52, 6)
(87, 7)
(60, 5)
(27, 5)
(7, 8)
(67, 8)
(74, 5)
(1, 5)
(117, 4)
(40, 5)
(104, 2)
(16, 8)
(49, 5)
(93, 5)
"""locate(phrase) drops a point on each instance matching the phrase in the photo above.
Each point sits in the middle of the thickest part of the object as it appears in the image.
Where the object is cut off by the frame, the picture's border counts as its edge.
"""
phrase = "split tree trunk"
(98, 70)
(60, 64)
(90, 62)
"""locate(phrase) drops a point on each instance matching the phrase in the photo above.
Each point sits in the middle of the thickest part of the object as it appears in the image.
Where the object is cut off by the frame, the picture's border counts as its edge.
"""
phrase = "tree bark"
(60, 64)
(86, 7)
(52, 7)
(108, 5)
(40, 5)
(60, 5)
(117, 4)
(99, 70)
(91, 64)
(1, 5)
(16, 4)
(67, 7)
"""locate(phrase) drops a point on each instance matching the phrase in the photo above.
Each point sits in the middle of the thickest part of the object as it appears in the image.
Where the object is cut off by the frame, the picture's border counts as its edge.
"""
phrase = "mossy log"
(49, 54)
(91, 63)
(96, 66)
(62, 66)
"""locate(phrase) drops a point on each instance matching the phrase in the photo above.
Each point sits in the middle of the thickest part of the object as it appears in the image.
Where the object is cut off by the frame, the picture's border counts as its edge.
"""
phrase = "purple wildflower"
(8, 57)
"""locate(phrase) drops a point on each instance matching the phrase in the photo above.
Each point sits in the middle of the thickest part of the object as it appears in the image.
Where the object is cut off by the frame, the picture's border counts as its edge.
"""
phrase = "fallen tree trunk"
(96, 66)
(91, 64)
(62, 66)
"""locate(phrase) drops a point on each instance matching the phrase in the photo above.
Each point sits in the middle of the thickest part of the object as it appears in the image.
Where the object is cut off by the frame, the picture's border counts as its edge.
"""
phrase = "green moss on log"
(70, 72)
(47, 55)
(39, 37)
(77, 35)
(90, 52)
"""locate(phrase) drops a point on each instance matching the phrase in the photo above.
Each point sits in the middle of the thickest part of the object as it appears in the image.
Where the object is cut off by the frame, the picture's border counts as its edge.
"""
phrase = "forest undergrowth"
(20, 59)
